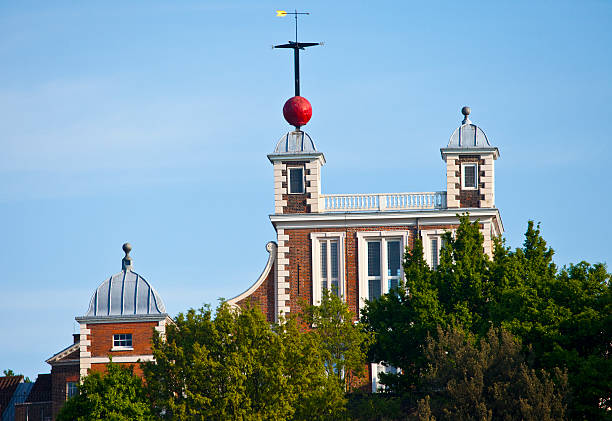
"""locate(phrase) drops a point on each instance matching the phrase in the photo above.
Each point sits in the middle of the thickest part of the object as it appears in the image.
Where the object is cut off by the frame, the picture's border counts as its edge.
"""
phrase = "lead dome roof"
(123, 294)
(295, 142)
(468, 135)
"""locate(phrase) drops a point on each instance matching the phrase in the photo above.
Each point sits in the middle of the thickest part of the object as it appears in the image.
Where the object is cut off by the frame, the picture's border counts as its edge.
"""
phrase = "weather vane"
(296, 46)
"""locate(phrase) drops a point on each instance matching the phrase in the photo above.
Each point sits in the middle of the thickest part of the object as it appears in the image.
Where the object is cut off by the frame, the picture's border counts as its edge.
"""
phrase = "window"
(433, 241)
(470, 176)
(435, 252)
(375, 269)
(327, 264)
(375, 370)
(122, 341)
(380, 262)
(296, 180)
(394, 263)
(374, 277)
(71, 389)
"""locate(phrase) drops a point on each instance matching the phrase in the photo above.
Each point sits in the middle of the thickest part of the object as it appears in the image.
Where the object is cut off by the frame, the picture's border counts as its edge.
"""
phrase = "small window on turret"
(296, 180)
(469, 176)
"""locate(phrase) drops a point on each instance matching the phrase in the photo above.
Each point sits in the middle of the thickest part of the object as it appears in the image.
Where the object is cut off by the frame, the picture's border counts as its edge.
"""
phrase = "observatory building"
(353, 244)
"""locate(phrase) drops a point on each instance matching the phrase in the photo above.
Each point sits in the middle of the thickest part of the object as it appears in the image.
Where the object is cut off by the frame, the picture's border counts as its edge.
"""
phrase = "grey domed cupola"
(125, 296)
(297, 173)
(470, 175)
(468, 135)
(295, 142)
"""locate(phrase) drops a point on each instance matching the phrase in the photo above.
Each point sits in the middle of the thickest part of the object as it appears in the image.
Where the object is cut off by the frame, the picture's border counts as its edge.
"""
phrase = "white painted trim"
(366, 219)
(362, 258)
(426, 237)
(122, 359)
(271, 248)
(315, 239)
(133, 318)
(122, 348)
(294, 167)
(476, 178)
(64, 352)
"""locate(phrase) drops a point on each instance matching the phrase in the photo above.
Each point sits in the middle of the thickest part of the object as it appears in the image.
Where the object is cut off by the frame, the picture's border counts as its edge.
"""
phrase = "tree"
(562, 317)
(237, 366)
(487, 380)
(10, 372)
(117, 395)
(343, 343)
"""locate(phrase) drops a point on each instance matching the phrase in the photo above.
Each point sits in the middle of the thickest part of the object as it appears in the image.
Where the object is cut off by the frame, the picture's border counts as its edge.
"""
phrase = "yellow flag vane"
(296, 47)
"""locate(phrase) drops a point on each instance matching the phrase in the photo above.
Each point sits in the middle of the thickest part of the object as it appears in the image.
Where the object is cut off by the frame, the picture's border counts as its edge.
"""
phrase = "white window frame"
(317, 282)
(463, 166)
(122, 347)
(375, 370)
(427, 236)
(289, 169)
(75, 385)
(362, 258)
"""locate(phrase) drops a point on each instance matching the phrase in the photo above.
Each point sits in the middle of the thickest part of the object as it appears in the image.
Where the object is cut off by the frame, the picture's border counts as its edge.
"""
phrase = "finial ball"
(127, 248)
(466, 111)
(297, 111)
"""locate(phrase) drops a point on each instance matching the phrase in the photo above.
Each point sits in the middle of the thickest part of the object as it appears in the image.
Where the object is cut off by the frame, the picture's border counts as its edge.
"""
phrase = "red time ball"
(297, 111)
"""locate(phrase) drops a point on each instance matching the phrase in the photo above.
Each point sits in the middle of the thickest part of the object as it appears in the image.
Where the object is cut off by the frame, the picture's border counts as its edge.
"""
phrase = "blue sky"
(150, 121)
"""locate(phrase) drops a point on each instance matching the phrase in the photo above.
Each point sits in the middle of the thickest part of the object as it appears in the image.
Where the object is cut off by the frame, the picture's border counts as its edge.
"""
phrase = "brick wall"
(470, 198)
(296, 203)
(263, 296)
(300, 255)
(102, 338)
(60, 375)
(101, 368)
(33, 411)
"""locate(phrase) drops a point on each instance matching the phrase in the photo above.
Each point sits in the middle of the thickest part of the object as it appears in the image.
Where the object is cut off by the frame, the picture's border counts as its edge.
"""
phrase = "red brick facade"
(263, 296)
(102, 338)
(60, 376)
(300, 267)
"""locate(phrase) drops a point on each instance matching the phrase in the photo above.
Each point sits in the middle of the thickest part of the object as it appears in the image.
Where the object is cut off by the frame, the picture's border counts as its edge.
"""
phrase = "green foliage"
(117, 395)
(237, 366)
(487, 380)
(10, 372)
(374, 407)
(563, 317)
(342, 342)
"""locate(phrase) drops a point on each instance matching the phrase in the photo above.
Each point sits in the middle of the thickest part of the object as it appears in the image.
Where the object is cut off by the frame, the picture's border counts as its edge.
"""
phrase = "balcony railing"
(383, 201)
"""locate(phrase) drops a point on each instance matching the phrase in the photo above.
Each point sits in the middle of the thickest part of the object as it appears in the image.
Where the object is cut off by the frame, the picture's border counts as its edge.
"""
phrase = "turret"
(470, 167)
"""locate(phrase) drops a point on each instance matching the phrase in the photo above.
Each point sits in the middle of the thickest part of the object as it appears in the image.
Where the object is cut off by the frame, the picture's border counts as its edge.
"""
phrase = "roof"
(69, 354)
(295, 142)
(8, 385)
(125, 294)
(41, 391)
(468, 135)
(468, 138)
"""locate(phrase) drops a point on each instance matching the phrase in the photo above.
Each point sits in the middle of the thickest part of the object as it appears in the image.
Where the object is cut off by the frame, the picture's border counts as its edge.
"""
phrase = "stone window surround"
(469, 164)
(288, 177)
(116, 338)
(427, 236)
(362, 258)
(317, 282)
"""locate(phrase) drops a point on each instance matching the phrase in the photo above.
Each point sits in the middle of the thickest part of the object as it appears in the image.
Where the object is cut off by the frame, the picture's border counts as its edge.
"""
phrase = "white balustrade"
(383, 201)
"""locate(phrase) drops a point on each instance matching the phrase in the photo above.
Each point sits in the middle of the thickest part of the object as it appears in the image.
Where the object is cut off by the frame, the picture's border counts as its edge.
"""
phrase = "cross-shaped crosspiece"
(296, 46)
